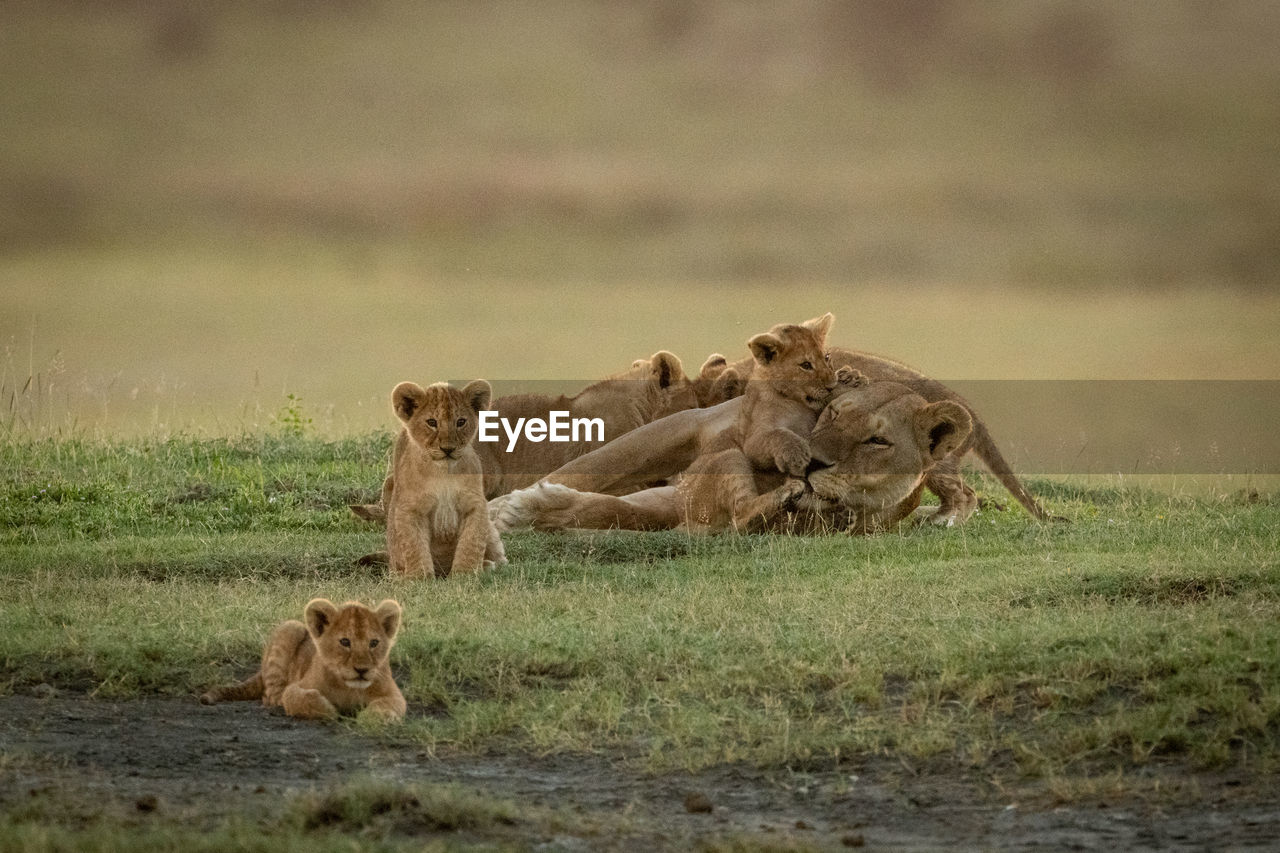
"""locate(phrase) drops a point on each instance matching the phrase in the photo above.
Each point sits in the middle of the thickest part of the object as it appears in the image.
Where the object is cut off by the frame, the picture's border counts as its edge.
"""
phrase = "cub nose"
(360, 672)
(448, 451)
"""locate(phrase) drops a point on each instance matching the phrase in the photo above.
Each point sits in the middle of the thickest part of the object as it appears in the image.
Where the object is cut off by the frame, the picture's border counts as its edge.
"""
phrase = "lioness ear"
(942, 427)
(407, 398)
(820, 326)
(765, 347)
(713, 366)
(477, 394)
(319, 615)
(388, 612)
(667, 369)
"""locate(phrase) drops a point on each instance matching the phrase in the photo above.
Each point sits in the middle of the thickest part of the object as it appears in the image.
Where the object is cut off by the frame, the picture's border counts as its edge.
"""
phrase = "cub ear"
(728, 384)
(388, 612)
(667, 369)
(319, 615)
(765, 347)
(713, 366)
(820, 326)
(477, 394)
(407, 398)
(942, 427)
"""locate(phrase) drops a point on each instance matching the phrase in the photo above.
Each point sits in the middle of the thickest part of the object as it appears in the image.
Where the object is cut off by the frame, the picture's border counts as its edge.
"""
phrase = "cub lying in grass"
(336, 661)
(437, 518)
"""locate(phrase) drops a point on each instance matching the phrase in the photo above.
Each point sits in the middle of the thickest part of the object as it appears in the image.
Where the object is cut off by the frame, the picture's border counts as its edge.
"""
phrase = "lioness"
(437, 519)
(333, 661)
(650, 389)
(786, 391)
(872, 447)
(958, 501)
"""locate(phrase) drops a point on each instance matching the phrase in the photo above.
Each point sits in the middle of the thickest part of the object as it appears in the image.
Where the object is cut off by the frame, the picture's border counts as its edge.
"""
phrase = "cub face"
(441, 419)
(793, 360)
(874, 443)
(352, 641)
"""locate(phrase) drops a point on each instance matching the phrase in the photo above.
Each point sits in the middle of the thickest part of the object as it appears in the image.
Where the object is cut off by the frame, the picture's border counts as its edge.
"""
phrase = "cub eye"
(431, 422)
(462, 422)
(806, 365)
(373, 644)
(826, 356)
(877, 441)
(344, 642)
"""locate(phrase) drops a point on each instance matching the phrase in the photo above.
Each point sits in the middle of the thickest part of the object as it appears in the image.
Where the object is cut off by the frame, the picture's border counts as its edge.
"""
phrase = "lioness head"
(352, 641)
(440, 418)
(874, 443)
(793, 361)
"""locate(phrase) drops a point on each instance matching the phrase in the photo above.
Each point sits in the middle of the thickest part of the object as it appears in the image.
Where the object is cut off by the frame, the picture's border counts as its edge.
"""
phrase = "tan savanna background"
(207, 207)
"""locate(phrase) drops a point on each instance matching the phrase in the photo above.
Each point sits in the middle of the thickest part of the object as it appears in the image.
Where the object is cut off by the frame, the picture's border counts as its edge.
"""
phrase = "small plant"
(291, 420)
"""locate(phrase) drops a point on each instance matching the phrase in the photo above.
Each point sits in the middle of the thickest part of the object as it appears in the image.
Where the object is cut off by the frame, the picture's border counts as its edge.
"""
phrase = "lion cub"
(437, 518)
(336, 660)
(790, 384)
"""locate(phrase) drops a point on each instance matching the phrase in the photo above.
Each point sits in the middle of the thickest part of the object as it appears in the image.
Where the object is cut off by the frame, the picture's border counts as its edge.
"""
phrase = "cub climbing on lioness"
(790, 385)
(437, 518)
(333, 661)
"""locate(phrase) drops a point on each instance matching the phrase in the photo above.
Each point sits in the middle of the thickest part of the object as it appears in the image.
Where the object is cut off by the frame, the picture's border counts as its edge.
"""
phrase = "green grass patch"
(1144, 630)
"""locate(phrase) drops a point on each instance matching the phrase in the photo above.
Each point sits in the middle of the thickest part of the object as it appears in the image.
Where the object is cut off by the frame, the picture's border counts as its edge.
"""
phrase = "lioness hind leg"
(549, 506)
(307, 704)
(278, 657)
(957, 501)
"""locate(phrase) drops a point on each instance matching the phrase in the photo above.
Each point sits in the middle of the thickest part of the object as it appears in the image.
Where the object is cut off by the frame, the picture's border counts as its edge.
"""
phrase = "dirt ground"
(182, 760)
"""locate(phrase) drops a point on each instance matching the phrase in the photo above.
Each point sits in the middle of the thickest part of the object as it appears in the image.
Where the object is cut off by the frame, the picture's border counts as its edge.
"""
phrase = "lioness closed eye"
(334, 661)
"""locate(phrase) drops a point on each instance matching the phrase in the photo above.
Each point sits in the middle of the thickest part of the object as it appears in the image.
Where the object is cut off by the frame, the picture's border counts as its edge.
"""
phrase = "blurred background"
(216, 213)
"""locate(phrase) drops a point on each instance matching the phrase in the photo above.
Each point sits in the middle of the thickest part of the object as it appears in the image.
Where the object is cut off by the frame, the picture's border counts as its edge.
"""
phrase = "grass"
(1144, 631)
(383, 816)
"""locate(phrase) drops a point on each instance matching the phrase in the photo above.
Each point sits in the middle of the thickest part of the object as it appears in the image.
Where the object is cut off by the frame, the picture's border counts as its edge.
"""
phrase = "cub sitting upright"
(789, 386)
(437, 518)
(336, 661)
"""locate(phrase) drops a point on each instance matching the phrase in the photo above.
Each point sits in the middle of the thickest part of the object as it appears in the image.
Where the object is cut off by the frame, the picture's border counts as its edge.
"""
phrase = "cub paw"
(847, 377)
(790, 493)
(793, 459)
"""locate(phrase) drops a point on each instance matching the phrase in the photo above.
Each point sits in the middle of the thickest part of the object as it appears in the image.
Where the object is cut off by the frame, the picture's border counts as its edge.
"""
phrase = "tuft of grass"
(372, 807)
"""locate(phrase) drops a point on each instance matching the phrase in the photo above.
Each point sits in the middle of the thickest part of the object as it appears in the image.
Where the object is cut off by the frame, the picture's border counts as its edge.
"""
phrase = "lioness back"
(334, 661)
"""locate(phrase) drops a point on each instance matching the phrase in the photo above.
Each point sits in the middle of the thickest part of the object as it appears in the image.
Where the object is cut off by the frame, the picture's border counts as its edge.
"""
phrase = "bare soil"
(180, 760)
